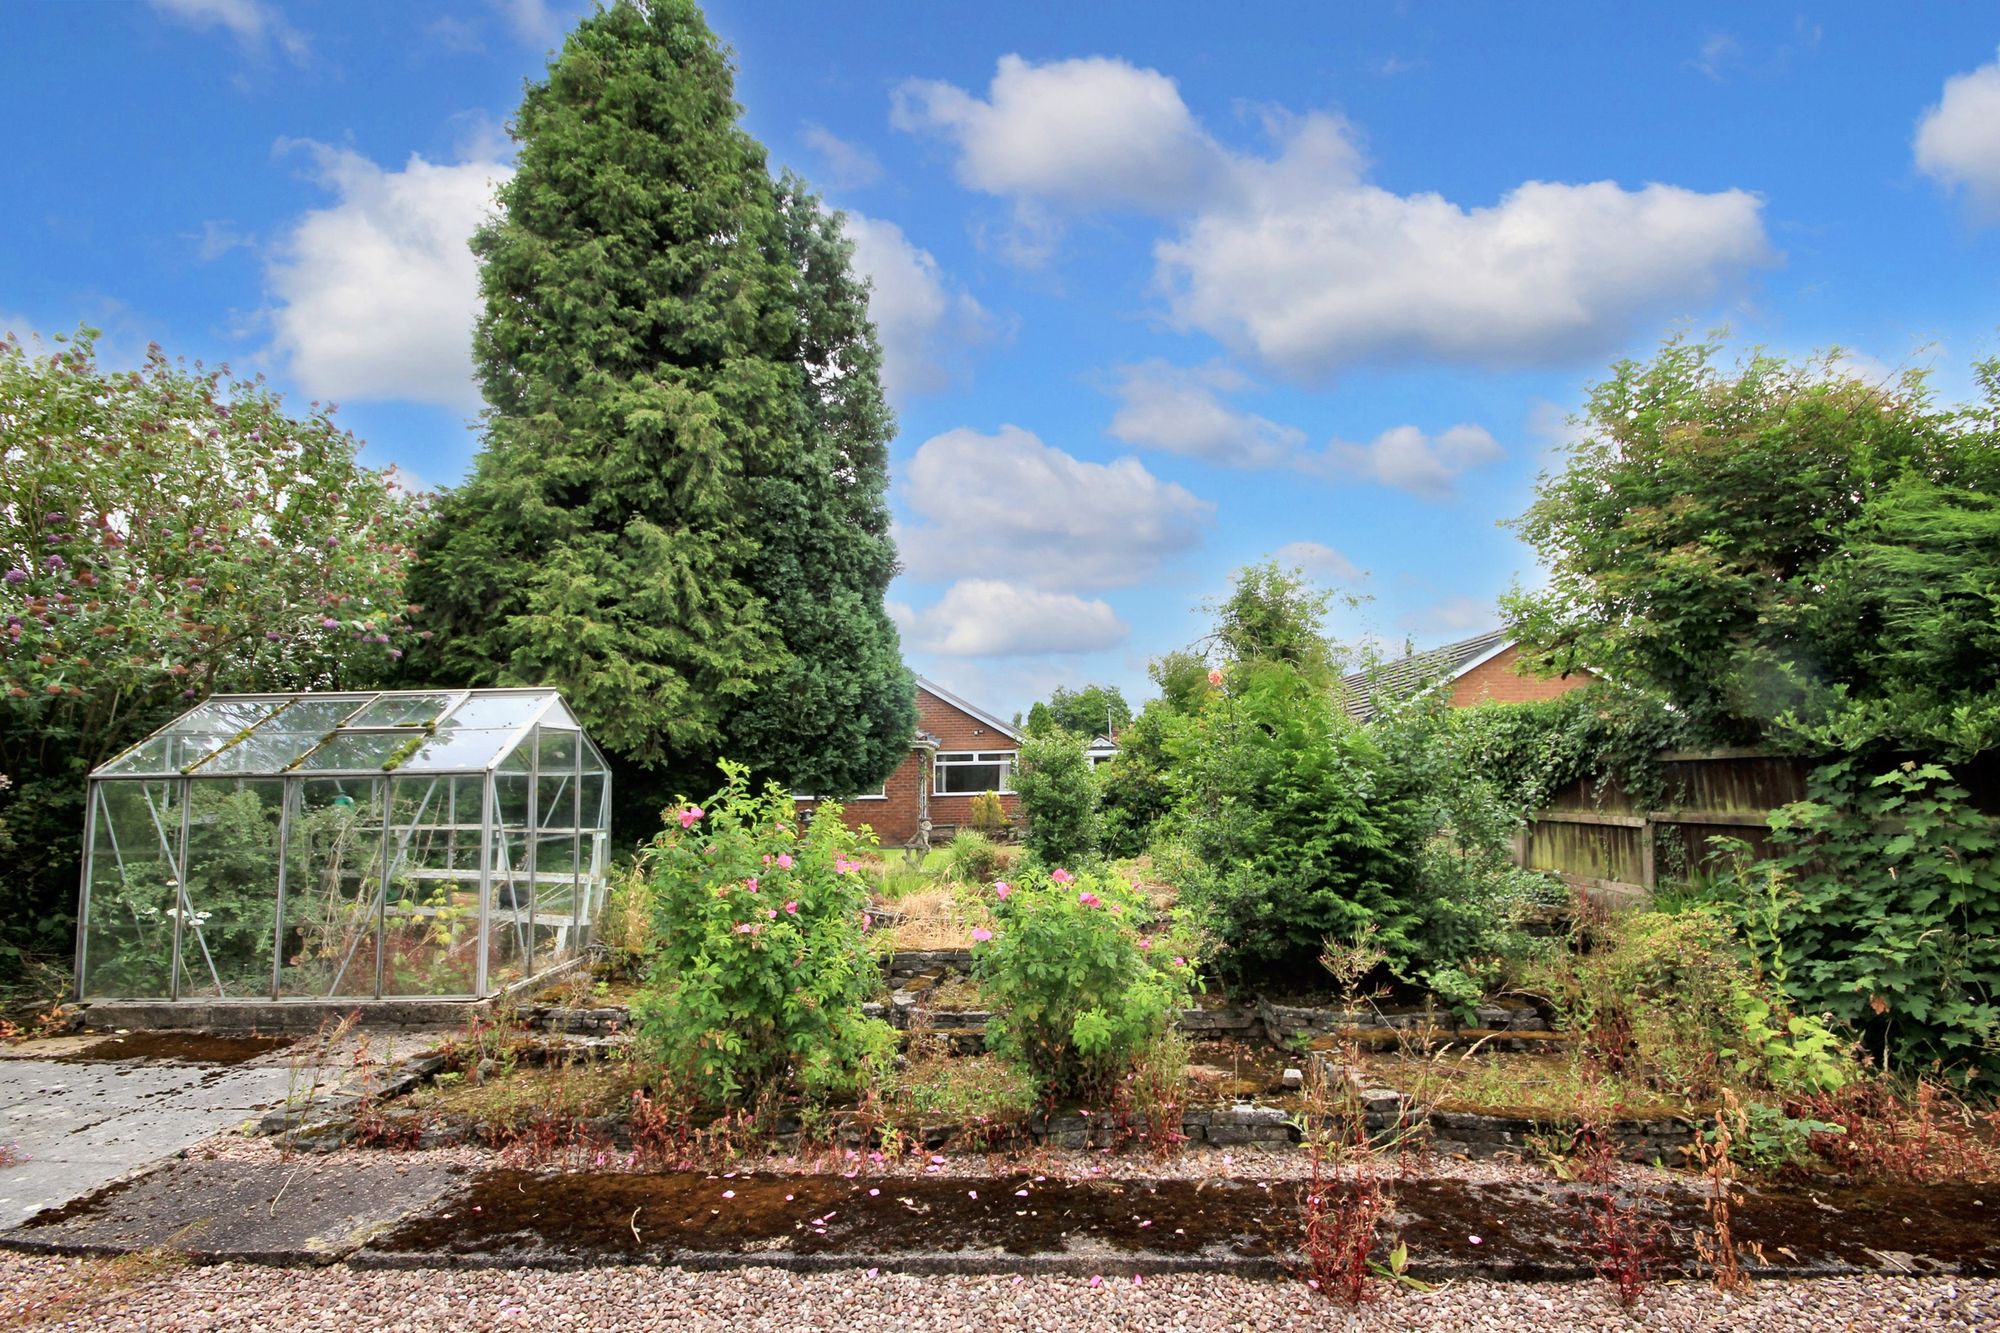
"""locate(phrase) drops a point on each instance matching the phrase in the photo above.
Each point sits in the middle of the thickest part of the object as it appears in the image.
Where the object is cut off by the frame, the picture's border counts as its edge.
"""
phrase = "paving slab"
(302, 1211)
(79, 1120)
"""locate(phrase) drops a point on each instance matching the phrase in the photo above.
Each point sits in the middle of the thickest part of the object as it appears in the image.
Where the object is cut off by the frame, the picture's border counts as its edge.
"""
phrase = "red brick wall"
(895, 819)
(1499, 680)
(959, 730)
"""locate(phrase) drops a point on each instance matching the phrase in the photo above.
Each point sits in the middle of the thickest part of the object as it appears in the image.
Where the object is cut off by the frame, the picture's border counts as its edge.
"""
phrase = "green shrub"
(982, 1092)
(1058, 798)
(969, 858)
(761, 968)
(1294, 831)
(1891, 913)
(1078, 992)
(1674, 1000)
(626, 928)
(986, 814)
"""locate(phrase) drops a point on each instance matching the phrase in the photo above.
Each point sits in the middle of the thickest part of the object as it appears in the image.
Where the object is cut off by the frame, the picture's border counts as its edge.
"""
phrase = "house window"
(970, 772)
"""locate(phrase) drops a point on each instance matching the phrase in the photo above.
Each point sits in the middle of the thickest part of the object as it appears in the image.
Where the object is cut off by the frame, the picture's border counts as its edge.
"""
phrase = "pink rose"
(751, 884)
(784, 860)
(690, 815)
(1089, 899)
(1215, 677)
(1001, 888)
(1145, 941)
(791, 909)
(981, 934)
(1060, 876)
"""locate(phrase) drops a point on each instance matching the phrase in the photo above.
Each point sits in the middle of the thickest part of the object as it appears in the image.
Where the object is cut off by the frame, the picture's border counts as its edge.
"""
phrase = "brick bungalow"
(959, 752)
(1482, 669)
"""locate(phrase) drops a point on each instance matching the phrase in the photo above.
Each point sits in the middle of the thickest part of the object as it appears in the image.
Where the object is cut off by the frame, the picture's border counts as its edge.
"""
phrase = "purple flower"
(329, 623)
(54, 562)
(17, 576)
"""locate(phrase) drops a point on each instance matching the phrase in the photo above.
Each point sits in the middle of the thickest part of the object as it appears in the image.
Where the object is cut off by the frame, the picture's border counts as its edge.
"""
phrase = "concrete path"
(76, 1123)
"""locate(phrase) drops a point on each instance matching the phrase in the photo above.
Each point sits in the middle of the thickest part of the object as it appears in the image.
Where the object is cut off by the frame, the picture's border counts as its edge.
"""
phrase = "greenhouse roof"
(360, 732)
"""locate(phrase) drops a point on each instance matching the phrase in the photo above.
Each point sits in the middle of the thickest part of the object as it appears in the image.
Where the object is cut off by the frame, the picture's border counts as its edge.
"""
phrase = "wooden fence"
(1598, 839)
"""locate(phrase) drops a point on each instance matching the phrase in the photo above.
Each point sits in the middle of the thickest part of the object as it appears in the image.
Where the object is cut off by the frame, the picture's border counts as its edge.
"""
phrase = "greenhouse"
(408, 843)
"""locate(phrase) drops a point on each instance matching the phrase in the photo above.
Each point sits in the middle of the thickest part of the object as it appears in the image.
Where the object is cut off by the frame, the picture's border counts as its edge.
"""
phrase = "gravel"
(135, 1293)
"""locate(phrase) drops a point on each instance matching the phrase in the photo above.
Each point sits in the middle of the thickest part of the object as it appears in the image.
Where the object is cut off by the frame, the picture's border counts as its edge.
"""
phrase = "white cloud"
(1294, 257)
(378, 293)
(1007, 505)
(1311, 269)
(219, 238)
(1406, 458)
(252, 23)
(1182, 412)
(995, 618)
(533, 21)
(1456, 615)
(1719, 51)
(1092, 133)
(1319, 560)
(925, 326)
(1958, 140)
(848, 166)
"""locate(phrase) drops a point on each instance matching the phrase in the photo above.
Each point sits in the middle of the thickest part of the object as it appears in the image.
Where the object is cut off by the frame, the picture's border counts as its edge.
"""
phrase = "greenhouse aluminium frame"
(440, 844)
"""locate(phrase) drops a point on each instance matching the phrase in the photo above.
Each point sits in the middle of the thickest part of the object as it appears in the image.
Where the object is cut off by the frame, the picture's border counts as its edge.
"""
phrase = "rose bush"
(1079, 991)
(762, 966)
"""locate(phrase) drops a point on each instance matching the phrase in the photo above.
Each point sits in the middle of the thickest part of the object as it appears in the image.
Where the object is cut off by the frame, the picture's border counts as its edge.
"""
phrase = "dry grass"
(564, 1091)
(939, 917)
(1160, 896)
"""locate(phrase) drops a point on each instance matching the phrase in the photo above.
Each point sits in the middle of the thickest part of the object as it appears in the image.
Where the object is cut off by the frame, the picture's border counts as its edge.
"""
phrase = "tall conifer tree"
(679, 515)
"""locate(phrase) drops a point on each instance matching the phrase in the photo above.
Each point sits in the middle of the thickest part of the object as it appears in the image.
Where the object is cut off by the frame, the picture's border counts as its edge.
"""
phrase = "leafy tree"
(1781, 550)
(165, 534)
(1274, 614)
(1094, 710)
(1294, 837)
(1058, 798)
(679, 515)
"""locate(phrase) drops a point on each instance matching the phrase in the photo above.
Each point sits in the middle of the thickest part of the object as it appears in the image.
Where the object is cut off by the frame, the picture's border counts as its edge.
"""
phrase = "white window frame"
(945, 759)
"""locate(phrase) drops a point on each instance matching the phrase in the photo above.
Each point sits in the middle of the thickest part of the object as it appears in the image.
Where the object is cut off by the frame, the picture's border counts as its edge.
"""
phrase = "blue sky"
(1165, 288)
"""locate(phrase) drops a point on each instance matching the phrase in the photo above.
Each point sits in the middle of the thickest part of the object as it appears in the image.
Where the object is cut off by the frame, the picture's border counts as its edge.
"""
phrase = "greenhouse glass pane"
(318, 713)
(350, 751)
(559, 716)
(134, 848)
(231, 894)
(430, 931)
(228, 716)
(509, 925)
(333, 881)
(403, 710)
(262, 751)
(482, 711)
(556, 749)
(457, 750)
(152, 756)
